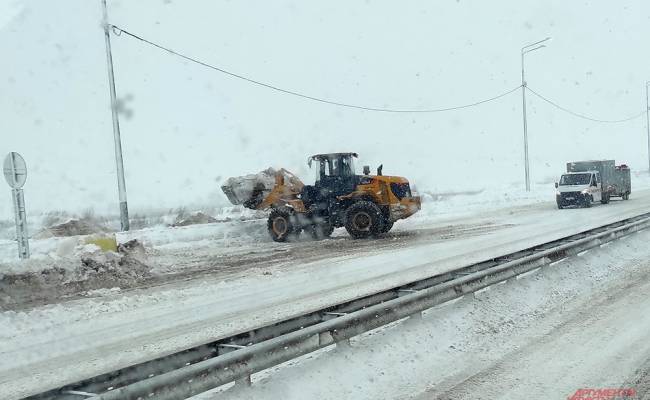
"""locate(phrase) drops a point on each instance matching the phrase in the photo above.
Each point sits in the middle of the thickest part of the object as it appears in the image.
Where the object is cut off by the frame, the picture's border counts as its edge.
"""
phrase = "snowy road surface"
(580, 324)
(57, 344)
(601, 345)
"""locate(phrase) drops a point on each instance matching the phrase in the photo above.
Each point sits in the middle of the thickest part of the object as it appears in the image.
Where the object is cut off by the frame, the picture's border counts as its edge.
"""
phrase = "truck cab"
(579, 189)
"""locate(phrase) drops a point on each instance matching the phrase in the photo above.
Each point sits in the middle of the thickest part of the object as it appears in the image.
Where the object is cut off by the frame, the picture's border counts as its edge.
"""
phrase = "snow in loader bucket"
(250, 190)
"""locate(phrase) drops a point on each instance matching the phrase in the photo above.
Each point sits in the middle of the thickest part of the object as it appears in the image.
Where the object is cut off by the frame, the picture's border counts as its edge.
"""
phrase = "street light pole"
(121, 183)
(647, 117)
(527, 49)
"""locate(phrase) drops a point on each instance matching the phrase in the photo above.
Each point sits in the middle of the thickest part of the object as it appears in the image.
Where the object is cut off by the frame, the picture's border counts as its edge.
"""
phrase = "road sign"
(15, 170)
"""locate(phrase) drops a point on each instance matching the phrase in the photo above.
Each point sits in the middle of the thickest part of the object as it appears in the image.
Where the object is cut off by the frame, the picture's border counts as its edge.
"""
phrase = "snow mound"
(73, 227)
(196, 218)
(94, 270)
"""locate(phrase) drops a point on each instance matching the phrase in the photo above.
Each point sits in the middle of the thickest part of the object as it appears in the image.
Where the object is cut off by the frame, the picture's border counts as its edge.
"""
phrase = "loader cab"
(334, 165)
(334, 175)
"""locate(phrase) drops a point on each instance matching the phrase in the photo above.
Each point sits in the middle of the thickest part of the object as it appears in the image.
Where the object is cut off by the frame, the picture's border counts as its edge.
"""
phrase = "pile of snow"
(72, 227)
(89, 269)
(195, 218)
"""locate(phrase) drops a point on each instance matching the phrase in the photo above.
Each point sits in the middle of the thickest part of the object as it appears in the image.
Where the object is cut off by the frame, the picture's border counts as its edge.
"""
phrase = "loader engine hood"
(384, 178)
(402, 202)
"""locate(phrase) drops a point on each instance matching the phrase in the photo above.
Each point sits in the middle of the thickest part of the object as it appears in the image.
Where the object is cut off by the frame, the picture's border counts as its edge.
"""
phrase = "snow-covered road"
(580, 324)
(601, 344)
(57, 344)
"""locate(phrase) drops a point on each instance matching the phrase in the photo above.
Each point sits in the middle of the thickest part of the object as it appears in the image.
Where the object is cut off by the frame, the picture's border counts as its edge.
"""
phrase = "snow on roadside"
(232, 223)
(439, 205)
(240, 227)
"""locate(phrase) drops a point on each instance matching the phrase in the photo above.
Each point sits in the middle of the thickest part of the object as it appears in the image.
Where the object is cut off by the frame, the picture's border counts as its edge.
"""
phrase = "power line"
(118, 31)
(606, 121)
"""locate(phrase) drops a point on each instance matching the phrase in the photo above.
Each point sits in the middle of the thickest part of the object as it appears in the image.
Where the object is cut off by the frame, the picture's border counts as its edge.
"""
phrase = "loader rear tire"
(280, 226)
(364, 219)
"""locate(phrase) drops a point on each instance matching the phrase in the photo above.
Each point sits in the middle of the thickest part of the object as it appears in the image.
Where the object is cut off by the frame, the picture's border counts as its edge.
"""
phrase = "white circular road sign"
(15, 170)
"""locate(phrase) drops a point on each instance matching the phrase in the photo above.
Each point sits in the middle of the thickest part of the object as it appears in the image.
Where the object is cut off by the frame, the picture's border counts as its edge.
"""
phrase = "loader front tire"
(364, 219)
(280, 225)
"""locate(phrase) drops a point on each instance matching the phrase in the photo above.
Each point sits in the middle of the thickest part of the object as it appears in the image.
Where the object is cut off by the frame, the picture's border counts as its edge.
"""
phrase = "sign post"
(15, 171)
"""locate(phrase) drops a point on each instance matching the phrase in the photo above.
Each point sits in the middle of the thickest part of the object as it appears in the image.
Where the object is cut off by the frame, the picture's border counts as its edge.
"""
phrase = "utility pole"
(121, 183)
(647, 117)
(527, 49)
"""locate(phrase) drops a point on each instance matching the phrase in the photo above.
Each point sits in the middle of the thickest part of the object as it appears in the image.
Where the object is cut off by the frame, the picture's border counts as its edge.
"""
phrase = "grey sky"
(186, 128)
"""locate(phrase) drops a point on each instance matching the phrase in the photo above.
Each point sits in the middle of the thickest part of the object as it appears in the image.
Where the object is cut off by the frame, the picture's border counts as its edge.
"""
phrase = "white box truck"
(586, 182)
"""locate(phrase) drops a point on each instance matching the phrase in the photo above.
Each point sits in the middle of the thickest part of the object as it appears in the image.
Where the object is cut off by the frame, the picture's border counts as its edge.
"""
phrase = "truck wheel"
(587, 201)
(320, 230)
(605, 199)
(626, 196)
(279, 225)
(363, 219)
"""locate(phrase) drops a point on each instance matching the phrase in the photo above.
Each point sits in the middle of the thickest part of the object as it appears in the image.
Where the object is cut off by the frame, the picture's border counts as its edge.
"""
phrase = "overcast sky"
(187, 128)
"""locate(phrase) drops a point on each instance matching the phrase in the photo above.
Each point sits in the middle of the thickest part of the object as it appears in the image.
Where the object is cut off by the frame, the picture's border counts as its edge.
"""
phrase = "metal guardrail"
(205, 367)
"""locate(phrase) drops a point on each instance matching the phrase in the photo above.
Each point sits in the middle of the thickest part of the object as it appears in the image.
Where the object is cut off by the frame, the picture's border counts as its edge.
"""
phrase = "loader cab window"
(335, 167)
(341, 166)
(347, 166)
(320, 170)
(326, 168)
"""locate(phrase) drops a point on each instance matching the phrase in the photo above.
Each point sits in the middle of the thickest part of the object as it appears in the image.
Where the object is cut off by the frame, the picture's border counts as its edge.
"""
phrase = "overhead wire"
(118, 31)
(579, 115)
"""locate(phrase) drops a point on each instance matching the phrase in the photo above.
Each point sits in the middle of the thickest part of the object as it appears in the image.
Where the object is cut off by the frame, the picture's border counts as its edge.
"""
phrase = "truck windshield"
(575, 179)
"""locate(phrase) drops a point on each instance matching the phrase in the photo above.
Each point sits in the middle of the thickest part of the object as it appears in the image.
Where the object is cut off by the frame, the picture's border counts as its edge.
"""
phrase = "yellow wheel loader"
(366, 205)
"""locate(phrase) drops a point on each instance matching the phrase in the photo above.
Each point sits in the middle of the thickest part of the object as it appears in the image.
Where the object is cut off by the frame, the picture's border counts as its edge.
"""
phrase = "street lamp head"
(535, 44)
(533, 49)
